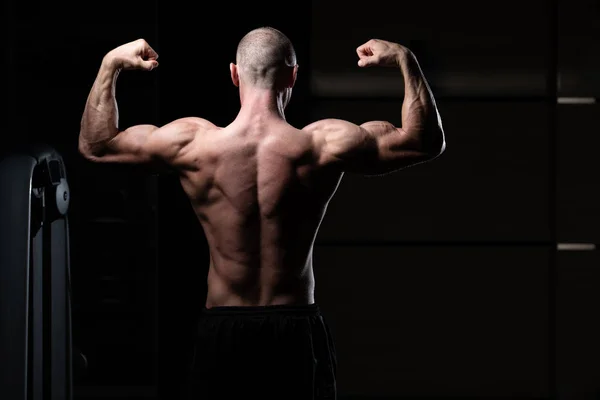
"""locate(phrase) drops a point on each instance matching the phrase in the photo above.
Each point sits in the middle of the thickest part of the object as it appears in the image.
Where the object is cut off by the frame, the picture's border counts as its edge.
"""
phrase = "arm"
(378, 147)
(100, 139)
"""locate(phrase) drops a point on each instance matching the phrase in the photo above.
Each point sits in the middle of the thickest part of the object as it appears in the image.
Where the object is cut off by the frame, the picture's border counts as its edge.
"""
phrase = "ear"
(294, 75)
(235, 77)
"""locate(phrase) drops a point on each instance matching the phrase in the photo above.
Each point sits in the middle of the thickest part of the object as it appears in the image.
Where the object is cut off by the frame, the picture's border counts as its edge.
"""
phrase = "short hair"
(263, 55)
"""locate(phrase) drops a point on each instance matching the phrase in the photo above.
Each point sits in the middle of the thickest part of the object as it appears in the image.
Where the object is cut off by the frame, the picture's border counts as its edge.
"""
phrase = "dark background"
(456, 278)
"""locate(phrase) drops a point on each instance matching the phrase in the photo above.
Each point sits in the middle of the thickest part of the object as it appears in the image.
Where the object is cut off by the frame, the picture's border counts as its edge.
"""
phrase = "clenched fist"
(381, 53)
(133, 55)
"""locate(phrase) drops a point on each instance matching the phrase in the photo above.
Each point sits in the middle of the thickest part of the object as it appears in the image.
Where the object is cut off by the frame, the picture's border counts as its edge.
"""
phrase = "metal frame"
(35, 310)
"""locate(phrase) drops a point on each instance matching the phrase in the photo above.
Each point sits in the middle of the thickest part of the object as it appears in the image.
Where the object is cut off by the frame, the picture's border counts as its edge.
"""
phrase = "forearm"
(420, 116)
(99, 123)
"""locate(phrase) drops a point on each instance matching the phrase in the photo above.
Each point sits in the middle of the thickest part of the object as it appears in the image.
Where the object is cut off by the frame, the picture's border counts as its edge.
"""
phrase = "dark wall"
(445, 280)
(441, 280)
(445, 265)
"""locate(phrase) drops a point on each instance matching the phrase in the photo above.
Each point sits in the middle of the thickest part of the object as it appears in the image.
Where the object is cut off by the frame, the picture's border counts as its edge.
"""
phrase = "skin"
(259, 186)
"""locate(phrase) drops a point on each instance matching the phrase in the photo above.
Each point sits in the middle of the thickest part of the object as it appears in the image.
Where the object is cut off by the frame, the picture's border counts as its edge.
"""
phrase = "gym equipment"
(35, 309)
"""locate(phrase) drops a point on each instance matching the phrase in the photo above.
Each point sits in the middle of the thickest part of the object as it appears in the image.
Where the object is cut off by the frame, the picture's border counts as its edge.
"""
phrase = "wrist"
(402, 56)
(110, 62)
(407, 61)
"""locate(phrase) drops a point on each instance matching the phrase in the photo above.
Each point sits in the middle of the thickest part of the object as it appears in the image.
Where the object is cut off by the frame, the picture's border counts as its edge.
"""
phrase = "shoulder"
(327, 131)
(192, 125)
(328, 124)
(186, 132)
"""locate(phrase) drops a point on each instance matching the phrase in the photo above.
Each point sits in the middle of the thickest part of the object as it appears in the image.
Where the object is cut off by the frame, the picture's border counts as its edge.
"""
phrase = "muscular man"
(260, 188)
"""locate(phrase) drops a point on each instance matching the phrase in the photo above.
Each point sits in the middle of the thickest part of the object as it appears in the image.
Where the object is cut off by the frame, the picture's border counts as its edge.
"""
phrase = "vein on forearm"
(100, 120)
(419, 108)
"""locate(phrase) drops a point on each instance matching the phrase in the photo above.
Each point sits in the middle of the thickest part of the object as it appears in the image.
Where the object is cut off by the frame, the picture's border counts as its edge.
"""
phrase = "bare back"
(260, 198)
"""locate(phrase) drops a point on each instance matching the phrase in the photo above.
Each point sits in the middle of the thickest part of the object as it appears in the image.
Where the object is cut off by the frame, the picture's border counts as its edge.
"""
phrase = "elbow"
(435, 145)
(439, 149)
(84, 149)
(89, 152)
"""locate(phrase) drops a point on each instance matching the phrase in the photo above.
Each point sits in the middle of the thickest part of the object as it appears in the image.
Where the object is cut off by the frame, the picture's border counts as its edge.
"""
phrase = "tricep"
(373, 148)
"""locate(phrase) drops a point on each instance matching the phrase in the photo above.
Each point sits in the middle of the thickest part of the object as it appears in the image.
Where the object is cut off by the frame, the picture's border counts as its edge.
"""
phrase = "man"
(260, 188)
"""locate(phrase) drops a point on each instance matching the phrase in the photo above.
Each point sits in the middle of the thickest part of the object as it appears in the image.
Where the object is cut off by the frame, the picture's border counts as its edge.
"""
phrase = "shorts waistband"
(284, 309)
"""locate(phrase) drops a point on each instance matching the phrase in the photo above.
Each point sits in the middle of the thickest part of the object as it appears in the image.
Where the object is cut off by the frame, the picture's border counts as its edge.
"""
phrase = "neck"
(261, 102)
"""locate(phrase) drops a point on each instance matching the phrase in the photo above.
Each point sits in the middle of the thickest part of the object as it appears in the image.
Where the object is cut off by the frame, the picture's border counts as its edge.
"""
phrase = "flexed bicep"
(148, 144)
(373, 148)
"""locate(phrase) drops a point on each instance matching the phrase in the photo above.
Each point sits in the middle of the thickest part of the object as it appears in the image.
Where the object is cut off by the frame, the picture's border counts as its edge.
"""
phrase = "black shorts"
(273, 352)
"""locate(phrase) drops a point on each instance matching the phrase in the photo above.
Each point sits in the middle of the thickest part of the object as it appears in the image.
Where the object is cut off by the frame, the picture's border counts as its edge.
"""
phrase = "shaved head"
(265, 58)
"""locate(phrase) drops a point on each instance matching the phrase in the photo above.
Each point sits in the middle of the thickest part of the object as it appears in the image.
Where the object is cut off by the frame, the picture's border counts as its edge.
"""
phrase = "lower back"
(254, 290)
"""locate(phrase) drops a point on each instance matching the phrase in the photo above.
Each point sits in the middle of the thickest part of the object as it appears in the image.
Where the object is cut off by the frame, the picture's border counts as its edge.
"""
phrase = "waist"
(230, 298)
(224, 290)
(287, 309)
